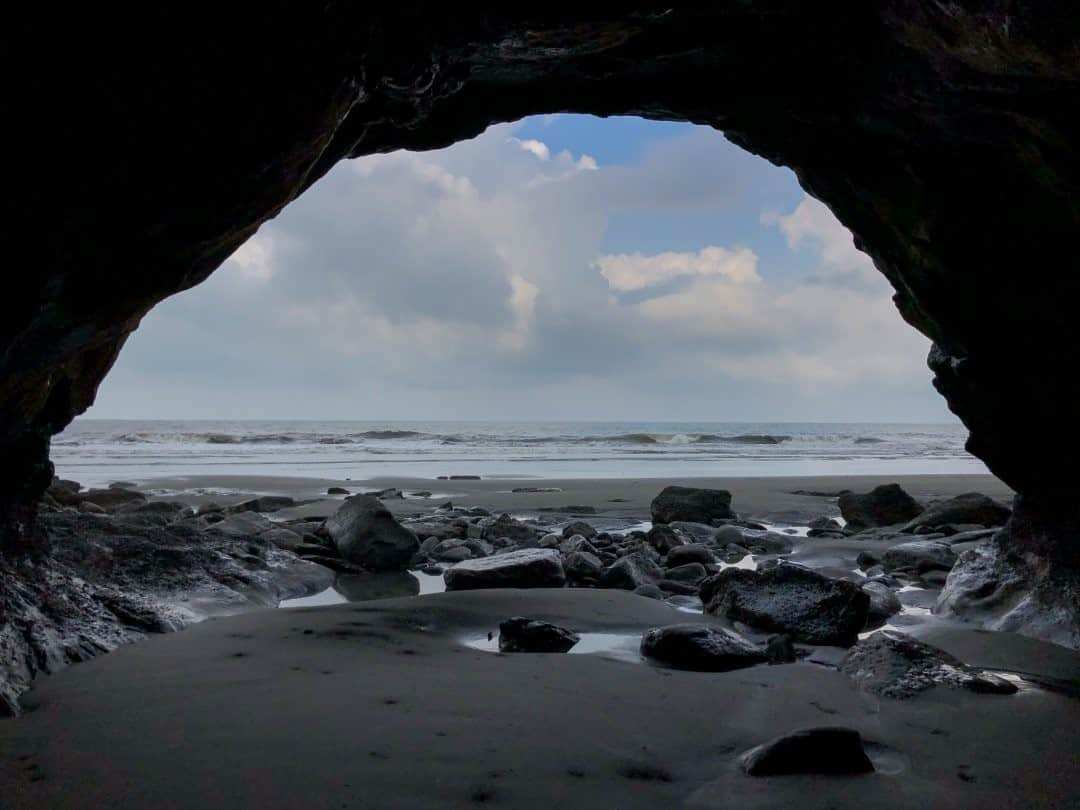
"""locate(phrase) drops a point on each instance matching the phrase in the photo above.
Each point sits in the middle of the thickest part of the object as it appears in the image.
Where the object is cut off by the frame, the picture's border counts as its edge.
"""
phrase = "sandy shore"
(771, 498)
(380, 705)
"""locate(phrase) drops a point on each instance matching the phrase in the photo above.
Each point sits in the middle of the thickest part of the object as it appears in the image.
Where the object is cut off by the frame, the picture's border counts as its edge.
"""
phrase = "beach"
(406, 702)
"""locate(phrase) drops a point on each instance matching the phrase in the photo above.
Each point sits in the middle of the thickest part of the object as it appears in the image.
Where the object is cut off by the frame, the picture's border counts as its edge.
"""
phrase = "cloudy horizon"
(558, 268)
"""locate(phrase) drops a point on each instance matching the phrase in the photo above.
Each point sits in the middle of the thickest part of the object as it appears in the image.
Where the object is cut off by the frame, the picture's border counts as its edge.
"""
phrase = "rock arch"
(145, 148)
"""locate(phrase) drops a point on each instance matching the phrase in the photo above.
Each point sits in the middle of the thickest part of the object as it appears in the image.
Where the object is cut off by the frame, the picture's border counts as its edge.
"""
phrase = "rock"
(692, 532)
(630, 572)
(868, 559)
(781, 650)
(366, 534)
(455, 554)
(579, 527)
(650, 592)
(90, 508)
(825, 523)
(884, 604)
(789, 599)
(895, 665)
(337, 491)
(882, 506)
(263, 504)
(691, 504)
(672, 586)
(968, 508)
(576, 543)
(582, 567)
(663, 539)
(283, 538)
(727, 535)
(506, 526)
(700, 647)
(534, 636)
(528, 568)
(110, 499)
(691, 573)
(690, 553)
(732, 553)
(244, 524)
(920, 556)
(830, 750)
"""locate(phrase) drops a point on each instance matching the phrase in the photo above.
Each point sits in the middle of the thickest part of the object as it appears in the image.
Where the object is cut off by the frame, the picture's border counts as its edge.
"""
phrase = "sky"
(558, 268)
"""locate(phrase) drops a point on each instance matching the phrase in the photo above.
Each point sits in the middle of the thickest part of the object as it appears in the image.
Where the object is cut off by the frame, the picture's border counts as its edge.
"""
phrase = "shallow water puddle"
(367, 587)
(623, 646)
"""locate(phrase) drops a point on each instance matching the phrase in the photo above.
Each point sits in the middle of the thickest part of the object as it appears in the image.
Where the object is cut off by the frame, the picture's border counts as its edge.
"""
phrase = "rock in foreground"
(524, 635)
(896, 665)
(366, 534)
(700, 647)
(691, 504)
(826, 750)
(789, 599)
(970, 508)
(528, 568)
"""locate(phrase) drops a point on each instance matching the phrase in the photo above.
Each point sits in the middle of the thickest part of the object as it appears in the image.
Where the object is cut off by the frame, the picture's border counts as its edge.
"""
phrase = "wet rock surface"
(791, 599)
(691, 504)
(526, 568)
(700, 647)
(895, 665)
(882, 506)
(829, 750)
(523, 635)
(367, 534)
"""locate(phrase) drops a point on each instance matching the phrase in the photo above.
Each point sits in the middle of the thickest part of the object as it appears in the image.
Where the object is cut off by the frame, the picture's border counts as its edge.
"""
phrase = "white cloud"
(633, 271)
(538, 148)
(254, 260)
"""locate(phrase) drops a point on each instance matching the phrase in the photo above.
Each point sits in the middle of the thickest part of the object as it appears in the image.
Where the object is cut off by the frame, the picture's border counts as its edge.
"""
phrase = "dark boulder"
(919, 556)
(690, 553)
(691, 504)
(895, 665)
(884, 603)
(583, 567)
(692, 573)
(265, 503)
(882, 506)
(828, 750)
(337, 491)
(112, 498)
(700, 647)
(366, 534)
(534, 636)
(630, 572)
(788, 598)
(663, 539)
(506, 526)
(968, 508)
(579, 527)
(528, 568)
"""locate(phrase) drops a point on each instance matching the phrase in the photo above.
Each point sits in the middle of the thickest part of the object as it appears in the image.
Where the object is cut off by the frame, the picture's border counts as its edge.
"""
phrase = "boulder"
(691, 504)
(884, 603)
(788, 598)
(111, 498)
(283, 538)
(264, 503)
(831, 750)
(920, 556)
(506, 526)
(727, 535)
(692, 573)
(534, 636)
(700, 647)
(968, 508)
(650, 592)
(366, 534)
(663, 539)
(337, 491)
(690, 553)
(882, 506)
(527, 568)
(579, 527)
(583, 567)
(245, 524)
(630, 572)
(895, 665)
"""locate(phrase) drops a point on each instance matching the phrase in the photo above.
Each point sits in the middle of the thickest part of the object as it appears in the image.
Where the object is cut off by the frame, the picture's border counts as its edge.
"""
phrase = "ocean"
(96, 452)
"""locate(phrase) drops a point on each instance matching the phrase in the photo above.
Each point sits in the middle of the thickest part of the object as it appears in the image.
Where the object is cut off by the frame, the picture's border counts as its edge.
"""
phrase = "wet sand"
(380, 705)
(772, 498)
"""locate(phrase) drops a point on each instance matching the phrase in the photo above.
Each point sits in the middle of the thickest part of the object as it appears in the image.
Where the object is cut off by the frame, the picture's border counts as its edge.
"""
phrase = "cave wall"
(145, 147)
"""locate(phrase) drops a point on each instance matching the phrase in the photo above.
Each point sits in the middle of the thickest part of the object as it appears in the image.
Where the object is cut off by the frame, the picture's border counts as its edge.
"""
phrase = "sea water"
(96, 452)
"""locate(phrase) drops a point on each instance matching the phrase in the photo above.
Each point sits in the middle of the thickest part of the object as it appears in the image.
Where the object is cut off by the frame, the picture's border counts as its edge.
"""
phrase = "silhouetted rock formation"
(943, 135)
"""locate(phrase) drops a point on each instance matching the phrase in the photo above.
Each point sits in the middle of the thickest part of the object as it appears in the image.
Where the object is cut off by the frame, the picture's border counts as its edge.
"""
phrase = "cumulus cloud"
(501, 279)
(633, 271)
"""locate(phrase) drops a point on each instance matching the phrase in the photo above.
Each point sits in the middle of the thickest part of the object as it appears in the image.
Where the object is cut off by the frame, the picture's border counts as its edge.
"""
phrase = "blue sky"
(563, 267)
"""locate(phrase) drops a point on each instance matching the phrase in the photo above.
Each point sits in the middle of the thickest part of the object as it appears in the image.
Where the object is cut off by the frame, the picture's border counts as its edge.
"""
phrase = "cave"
(146, 150)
